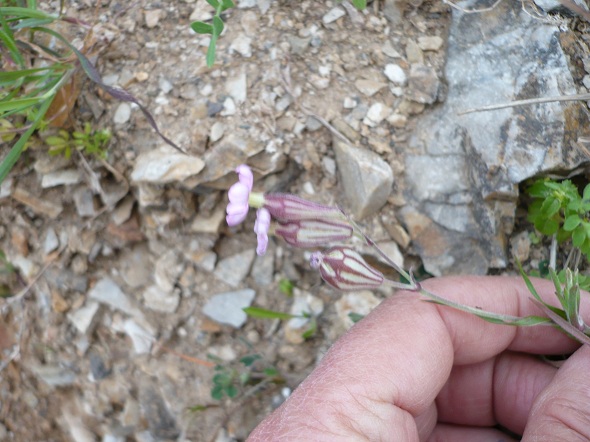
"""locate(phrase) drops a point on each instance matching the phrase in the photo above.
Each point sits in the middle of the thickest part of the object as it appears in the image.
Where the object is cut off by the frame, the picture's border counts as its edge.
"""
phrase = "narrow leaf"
(13, 155)
(564, 325)
(262, 313)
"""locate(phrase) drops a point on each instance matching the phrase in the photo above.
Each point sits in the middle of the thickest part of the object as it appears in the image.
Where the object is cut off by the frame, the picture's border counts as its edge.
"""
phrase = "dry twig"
(471, 11)
(527, 102)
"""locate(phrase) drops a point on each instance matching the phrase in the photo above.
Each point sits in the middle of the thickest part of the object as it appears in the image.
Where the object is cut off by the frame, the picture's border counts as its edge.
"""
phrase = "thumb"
(561, 412)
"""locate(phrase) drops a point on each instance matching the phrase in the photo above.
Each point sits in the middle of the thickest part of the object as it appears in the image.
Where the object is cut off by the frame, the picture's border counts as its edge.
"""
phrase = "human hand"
(413, 370)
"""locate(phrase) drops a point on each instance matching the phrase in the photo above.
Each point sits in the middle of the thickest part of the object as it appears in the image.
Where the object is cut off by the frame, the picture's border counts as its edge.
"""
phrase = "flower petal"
(261, 227)
(238, 193)
(245, 176)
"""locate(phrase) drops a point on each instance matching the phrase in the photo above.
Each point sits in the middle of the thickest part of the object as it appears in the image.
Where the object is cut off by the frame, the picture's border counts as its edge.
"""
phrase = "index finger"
(390, 367)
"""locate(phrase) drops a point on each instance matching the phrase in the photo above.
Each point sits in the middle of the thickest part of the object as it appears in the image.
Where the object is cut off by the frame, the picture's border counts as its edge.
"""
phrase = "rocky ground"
(130, 283)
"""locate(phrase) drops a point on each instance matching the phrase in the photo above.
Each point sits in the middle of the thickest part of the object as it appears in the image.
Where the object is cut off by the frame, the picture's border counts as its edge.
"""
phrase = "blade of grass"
(261, 313)
(14, 154)
(18, 13)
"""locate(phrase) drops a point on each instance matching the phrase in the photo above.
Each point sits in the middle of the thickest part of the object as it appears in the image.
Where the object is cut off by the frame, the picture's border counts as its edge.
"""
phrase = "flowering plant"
(306, 224)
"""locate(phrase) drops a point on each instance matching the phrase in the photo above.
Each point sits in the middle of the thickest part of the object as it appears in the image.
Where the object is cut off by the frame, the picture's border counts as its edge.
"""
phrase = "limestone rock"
(366, 178)
(61, 178)
(164, 165)
(463, 172)
(226, 308)
(233, 269)
(423, 84)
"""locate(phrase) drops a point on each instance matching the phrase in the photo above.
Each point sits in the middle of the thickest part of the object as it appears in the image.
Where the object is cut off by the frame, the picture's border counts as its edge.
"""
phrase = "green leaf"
(549, 227)
(213, 3)
(550, 207)
(359, 4)
(311, 330)
(528, 282)
(248, 360)
(286, 287)
(217, 392)
(571, 223)
(270, 372)
(226, 4)
(538, 189)
(262, 313)
(201, 28)
(55, 141)
(26, 13)
(14, 153)
(222, 379)
(198, 408)
(579, 236)
(355, 317)
(231, 391)
(217, 26)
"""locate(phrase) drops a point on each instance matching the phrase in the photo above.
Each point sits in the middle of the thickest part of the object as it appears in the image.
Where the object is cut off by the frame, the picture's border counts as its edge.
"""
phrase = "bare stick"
(527, 102)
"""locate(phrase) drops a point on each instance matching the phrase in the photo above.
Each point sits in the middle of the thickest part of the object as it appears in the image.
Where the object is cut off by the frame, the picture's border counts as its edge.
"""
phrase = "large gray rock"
(463, 170)
(366, 178)
(226, 308)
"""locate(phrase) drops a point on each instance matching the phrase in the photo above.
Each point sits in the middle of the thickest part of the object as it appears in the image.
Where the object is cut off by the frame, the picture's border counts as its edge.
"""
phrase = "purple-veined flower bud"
(307, 233)
(345, 269)
(261, 227)
(287, 207)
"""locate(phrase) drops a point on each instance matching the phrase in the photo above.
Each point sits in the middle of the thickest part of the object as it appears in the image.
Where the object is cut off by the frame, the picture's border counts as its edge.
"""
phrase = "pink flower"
(238, 194)
(261, 227)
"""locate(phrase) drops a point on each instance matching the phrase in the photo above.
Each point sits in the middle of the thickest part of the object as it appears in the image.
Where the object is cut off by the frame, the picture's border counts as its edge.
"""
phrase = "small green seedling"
(215, 28)
(286, 287)
(230, 380)
(559, 209)
(88, 142)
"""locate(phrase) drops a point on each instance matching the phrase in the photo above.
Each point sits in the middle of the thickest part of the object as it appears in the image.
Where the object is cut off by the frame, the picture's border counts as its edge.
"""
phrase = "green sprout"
(88, 142)
(215, 28)
(231, 379)
(559, 209)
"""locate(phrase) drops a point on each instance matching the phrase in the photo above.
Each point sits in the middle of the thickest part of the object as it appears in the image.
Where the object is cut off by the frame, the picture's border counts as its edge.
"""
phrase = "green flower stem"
(494, 318)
